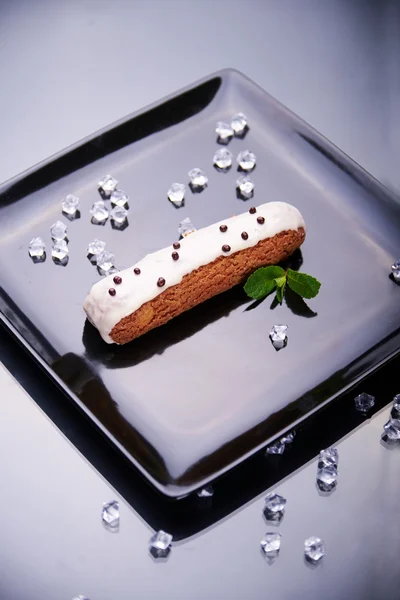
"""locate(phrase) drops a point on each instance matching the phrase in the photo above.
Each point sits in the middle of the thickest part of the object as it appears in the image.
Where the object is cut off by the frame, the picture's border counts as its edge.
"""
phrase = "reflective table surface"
(56, 471)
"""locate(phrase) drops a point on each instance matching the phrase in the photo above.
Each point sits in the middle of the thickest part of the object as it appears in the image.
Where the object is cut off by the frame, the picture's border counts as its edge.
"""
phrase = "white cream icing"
(197, 249)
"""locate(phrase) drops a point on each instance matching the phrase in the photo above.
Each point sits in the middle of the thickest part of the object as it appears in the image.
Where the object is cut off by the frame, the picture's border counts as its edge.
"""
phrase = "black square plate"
(191, 399)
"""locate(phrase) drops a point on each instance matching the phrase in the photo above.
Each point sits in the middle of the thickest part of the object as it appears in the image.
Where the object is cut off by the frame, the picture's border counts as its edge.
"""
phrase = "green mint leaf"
(280, 281)
(262, 282)
(257, 287)
(304, 285)
(272, 272)
(279, 293)
(280, 287)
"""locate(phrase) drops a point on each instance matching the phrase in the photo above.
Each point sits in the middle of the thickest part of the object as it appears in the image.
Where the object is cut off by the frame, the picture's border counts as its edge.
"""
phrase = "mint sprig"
(267, 279)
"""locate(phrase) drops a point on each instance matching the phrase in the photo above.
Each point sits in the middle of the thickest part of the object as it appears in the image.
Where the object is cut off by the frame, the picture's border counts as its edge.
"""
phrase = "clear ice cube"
(327, 479)
(278, 336)
(160, 544)
(223, 159)
(276, 448)
(119, 198)
(110, 514)
(59, 251)
(288, 438)
(314, 549)
(392, 430)
(239, 124)
(364, 402)
(186, 227)
(245, 187)
(37, 248)
(274, 502)
(328, 458)
(96, 247)
(206, 492)
(119, 215)
(396, 406)
(224, 132)
(198, 180)
(99, 213)
(107, 185)
(105, 262)
(271, 544)
(246, 160)
(176, 194)
(278, 333)
(58, 231)
(396, 271)
(70, 205)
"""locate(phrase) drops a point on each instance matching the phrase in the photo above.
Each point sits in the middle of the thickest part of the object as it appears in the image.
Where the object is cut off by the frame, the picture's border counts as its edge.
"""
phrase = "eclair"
(207, 262)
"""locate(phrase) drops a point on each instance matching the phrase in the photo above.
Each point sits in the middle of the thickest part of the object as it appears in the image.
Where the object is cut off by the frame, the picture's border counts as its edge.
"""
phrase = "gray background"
(69, 68)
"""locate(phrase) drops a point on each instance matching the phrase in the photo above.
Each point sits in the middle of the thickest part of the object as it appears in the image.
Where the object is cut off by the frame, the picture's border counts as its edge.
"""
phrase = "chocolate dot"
(175, 255)
(112, 292)
(117, 279)
(223, 228)
(226, 248)
(136, 270)
(260, 220)
(252, 210)
(176, 245)
(245, 235)
(161, 282)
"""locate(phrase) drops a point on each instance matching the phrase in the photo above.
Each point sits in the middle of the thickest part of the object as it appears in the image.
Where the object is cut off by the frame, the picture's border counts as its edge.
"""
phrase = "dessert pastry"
(204, 263)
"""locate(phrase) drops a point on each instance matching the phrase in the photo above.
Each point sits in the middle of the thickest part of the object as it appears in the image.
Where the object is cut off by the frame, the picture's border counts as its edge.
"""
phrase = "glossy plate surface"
(189, 400)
